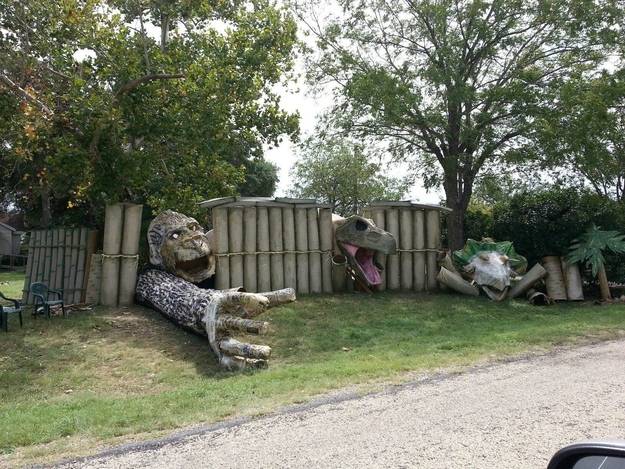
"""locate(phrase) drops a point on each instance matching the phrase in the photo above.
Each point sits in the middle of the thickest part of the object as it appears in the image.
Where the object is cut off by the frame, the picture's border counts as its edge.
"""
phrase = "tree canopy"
(344, 175)
(587, 133)
(454, 85)
(161, 102)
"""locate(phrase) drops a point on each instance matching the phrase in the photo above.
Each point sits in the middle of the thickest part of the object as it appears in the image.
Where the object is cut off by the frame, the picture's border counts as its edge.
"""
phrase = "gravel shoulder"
(506, 415)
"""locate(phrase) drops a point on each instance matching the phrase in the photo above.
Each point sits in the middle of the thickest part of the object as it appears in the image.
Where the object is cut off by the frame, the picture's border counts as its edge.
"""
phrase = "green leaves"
(343, 174)
(174, 104)
(589, 247)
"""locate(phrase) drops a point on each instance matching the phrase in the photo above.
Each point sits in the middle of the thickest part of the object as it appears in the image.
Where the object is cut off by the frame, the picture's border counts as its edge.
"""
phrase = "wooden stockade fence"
(417, 229)
(58, 258)
(267, 244)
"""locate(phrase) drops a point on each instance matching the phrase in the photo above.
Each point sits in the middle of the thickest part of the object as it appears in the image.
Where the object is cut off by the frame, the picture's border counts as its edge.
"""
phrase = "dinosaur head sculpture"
(180, 246)
(359, 239)
(490, 265)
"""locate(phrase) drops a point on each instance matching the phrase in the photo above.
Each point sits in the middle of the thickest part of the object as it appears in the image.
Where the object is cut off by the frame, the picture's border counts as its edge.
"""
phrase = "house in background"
(10, 240)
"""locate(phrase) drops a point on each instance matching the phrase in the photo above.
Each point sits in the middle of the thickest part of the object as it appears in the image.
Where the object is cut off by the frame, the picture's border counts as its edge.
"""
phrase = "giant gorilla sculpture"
(181, 261)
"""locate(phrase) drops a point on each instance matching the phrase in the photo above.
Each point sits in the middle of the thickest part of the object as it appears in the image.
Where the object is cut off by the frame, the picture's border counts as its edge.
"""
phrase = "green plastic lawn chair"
(6, 310)
(41, 294)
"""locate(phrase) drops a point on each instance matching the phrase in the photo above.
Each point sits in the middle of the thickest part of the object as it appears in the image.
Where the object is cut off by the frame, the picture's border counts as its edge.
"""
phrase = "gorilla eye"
(360, 225)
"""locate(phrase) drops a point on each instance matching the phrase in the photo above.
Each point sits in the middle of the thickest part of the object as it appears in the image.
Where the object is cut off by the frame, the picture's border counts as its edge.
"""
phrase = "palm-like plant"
(589, 247)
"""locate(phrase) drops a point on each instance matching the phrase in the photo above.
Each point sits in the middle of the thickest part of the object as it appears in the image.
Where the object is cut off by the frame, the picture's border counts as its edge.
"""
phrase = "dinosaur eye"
(360, 225)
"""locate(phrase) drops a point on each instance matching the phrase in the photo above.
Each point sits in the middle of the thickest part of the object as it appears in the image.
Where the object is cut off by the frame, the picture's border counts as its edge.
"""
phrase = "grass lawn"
(68, 386)
(11, 284)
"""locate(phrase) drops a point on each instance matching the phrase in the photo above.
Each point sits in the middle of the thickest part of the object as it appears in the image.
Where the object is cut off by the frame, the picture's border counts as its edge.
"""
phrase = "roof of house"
(5, 226)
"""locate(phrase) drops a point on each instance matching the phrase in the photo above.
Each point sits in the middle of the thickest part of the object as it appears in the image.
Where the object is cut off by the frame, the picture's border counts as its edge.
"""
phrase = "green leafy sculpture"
(589, 247)
(490, 265)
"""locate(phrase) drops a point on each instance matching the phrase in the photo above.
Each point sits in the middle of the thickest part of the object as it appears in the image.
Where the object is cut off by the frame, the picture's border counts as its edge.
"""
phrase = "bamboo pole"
(527, 281)
(92, 242)
(339, 274)
(456, 282)
(378, 218)
(94, 282)
(132, 229)
(235, 244)
(45, 277)
(29, 269)
(556, 288)
(220, 227)
(314, 258)
(70, 294)
(40, 254)
(250, 282)
(301, 244)
(288, 227)
(60, 259)
(276, 244)
(80, 265)
(325, 243)
(67, 258)
(392, 261)
(130, 250)
(53, 260)
(406, 225)
(573, 279)
(35, 275)
(112, 242)
(262, 239)
(433, 242)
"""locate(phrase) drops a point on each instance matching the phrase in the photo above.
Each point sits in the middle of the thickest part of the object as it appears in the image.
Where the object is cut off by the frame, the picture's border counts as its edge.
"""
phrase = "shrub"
(545, 222)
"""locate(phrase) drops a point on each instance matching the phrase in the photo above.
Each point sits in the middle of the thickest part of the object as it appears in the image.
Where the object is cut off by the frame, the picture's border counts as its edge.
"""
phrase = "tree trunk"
(458, 190)
(455, 228)
(603, 284)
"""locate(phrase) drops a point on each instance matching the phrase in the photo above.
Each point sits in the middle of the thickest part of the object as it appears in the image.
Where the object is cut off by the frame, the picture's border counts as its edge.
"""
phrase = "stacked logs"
(267, 244)
(416, 228)
(120, 257)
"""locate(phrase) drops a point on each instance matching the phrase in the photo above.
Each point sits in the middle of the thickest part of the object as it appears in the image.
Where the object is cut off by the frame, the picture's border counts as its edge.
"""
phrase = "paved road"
(510, 415)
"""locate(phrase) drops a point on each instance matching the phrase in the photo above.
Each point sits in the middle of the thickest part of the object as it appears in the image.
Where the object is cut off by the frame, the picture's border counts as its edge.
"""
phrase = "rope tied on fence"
(239, 253)
(422, 250)
(119, 256)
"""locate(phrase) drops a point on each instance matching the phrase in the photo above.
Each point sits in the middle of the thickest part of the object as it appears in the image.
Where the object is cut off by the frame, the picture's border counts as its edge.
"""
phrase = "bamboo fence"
(58, 258)
(417, 229)
(283, 243)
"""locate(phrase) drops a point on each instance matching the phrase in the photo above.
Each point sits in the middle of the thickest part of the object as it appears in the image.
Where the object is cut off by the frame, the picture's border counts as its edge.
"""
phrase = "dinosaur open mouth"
(363, 258)
(193, 266)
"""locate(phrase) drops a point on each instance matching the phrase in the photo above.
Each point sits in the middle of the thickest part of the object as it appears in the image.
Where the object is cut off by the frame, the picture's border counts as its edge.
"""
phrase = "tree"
(261, 179)
(340, 173)
(454, 85)
(587, 132)
(589, 250)
(171, 103)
